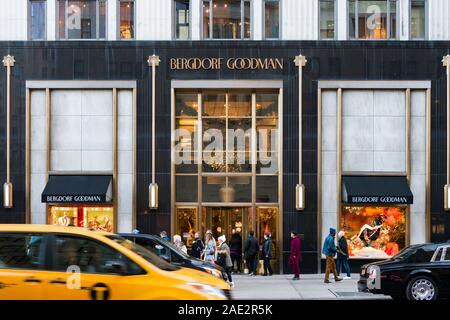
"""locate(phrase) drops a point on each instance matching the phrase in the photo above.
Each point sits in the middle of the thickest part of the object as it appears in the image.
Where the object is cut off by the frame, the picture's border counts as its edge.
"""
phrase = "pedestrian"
(210, 247)
(329, 250)
(236, 250)
(197, 246)
(179, 244)
(267, 254)
(251, 253)
(164, 236)
(223, 251)
(342, 256)
(294, 258)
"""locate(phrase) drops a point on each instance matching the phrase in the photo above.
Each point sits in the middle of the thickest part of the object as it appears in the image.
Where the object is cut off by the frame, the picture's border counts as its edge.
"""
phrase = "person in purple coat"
(294, 258)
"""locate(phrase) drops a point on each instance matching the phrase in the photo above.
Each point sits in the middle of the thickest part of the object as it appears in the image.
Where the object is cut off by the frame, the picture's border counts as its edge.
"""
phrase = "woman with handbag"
(224, 258)
(210, 247)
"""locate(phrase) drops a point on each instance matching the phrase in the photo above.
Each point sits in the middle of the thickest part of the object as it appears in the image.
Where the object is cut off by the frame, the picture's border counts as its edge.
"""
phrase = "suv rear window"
(21, 251)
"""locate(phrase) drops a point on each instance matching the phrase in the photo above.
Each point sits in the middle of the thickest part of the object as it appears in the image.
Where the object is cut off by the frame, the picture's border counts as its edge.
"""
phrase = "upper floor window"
(418, 19)
(226, 19)
(271, 19)
(182, 19)
(126, 16)
(81, 19)
(37, 17)
(327, 19)
(370, 19)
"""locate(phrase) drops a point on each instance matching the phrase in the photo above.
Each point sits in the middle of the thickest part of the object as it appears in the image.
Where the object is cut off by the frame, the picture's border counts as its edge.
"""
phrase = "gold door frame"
(48, 86)
(338, 86)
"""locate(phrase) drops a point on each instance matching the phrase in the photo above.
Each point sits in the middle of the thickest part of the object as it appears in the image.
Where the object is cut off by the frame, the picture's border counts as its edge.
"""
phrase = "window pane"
(327, 19)
(90, 256)
(62, 19)
(227, 19)
(272, 19)
(240, 105)
(239, 134)
(102, 19)
(214, 105)
(418, 19)
(186, 105)
(241, 187)
(21, 251)
(206, 22)
(267, 105)
(127, 19)
(186, 188)
(266, 189)
(182, 19)
(447, 254)
(37, 12)
(247, 25)
(214, 189)
(186, 224)
(352, 19)
(393, 17)
(82, 20)
(372, 16)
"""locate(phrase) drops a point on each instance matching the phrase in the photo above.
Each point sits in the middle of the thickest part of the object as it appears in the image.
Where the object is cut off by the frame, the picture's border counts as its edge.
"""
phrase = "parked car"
(49, 262)
(169, 252)
(418, 272)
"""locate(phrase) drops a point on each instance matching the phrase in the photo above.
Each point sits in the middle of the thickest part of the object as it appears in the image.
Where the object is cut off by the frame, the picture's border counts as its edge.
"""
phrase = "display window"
(96, 218)
(374, 232)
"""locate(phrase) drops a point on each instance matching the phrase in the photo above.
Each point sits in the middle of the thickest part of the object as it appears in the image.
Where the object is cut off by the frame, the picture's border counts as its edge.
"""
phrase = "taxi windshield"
(144, 253)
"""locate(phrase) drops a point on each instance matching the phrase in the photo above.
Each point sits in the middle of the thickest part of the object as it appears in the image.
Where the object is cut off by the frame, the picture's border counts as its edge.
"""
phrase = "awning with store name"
(78, 189)
(376, 190)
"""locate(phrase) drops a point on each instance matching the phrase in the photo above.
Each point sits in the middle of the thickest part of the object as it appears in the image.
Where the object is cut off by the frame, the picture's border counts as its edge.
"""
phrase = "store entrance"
(223, 220)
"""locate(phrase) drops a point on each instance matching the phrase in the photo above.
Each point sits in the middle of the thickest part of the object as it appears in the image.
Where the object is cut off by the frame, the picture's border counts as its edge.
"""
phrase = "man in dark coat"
(251, 253)
(294, 258)
(267, 254)
(342, 256)
(236, 249)
(197, 247)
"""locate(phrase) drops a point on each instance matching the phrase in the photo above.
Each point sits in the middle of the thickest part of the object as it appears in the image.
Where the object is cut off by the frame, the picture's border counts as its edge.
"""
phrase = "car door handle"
(57, 281)
(32, 280)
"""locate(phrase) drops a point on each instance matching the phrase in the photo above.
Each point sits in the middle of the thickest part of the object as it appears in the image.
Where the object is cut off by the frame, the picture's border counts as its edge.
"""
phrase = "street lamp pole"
(8, 62)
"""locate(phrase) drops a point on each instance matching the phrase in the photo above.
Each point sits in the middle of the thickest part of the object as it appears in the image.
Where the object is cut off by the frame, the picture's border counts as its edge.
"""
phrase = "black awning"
(78, 189)
(377, 190)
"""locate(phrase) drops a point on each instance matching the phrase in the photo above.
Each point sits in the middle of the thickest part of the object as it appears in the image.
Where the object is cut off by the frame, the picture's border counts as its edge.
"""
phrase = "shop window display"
(97, 218)
(374, 232)
(187, 224)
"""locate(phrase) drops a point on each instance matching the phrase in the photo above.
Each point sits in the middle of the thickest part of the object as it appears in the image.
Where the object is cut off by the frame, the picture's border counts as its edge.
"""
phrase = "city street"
(309, 287)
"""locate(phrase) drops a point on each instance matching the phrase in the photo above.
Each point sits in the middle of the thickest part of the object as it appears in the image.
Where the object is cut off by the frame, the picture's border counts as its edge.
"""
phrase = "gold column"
(153, 62)
(8, 62)
(115, 157)
(446, 63)
(300, 62)
(339, 157)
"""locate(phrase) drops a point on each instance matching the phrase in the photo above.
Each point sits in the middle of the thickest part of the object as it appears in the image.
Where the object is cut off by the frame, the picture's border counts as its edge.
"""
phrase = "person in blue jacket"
(329, 250)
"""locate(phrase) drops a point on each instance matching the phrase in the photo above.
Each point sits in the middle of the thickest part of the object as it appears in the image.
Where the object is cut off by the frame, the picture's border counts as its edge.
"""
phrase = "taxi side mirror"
(116, 267)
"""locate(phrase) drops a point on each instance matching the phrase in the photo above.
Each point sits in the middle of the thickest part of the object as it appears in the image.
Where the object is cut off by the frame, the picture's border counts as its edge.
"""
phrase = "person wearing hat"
(223, 251)
(329, 250)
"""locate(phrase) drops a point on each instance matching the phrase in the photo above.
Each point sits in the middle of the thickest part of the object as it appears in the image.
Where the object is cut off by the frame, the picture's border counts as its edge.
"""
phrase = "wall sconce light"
(446, 63)
(300, 201)
(8, 62)
(153, 61)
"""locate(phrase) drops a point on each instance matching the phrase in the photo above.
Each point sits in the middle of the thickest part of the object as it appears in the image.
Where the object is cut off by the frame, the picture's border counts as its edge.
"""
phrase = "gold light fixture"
(8, 62)
(300, 191)
(153, 62)
(446, 63)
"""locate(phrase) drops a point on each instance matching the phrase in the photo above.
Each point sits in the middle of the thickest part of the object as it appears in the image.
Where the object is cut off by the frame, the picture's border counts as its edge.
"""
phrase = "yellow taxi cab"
(66, 263)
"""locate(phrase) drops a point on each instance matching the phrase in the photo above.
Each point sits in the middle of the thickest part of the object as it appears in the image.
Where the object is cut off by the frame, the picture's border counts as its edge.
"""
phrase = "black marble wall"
(355, 60)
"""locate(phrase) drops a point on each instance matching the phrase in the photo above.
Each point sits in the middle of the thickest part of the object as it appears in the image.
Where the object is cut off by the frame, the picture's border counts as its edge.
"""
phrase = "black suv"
(418, 272)
(172, 254)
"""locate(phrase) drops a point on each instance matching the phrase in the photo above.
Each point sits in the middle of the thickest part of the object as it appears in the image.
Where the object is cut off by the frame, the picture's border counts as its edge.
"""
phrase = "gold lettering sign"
(231, 64)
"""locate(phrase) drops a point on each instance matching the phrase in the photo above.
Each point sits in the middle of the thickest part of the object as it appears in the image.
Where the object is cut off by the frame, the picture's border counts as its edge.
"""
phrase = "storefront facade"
(373, 114)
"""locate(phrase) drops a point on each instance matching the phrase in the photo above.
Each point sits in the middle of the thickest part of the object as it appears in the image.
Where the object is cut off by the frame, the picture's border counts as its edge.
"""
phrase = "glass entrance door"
(222, 221)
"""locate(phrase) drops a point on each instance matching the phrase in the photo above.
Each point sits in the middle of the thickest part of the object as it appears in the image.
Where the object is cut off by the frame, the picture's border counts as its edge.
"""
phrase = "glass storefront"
(374, 232)
(218, 186)
(97, 218)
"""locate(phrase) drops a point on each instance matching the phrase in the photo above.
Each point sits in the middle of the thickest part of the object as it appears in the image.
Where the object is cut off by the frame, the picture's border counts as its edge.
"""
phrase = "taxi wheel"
(421, 288)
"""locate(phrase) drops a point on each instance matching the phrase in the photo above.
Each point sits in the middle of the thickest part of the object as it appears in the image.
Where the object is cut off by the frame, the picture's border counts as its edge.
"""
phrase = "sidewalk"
(309, 287)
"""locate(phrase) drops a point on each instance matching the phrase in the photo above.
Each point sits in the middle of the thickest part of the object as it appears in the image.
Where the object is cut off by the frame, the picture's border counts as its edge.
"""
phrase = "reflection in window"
(37, 19)
(126, 19)
(82, 19)
(230, 19)
(418, 19)
(327, 21)
(272, 19)
(372, 19)
(182, 19)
